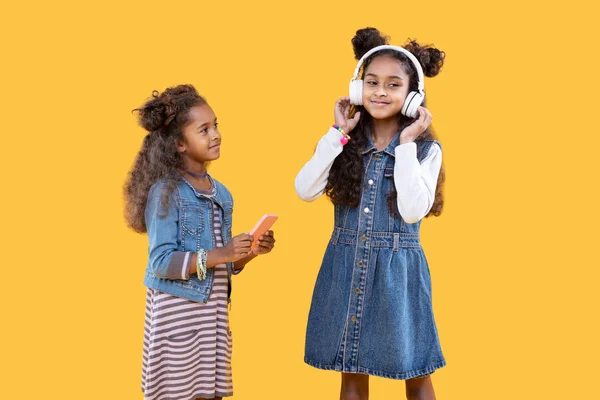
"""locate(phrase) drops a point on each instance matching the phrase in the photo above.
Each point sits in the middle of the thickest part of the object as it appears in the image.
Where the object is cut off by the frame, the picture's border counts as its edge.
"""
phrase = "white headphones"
(413, 99)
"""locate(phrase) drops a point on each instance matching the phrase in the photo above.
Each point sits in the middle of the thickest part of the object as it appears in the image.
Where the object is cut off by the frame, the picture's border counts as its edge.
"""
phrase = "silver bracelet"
(201, 264)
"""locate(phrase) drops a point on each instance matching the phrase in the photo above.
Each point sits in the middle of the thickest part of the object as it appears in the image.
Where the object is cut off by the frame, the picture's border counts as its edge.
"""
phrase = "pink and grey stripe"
(187, 345)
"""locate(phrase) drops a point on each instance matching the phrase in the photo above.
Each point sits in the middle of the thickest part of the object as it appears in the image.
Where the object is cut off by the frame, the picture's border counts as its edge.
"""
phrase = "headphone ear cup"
(356, 88)
(412, 103)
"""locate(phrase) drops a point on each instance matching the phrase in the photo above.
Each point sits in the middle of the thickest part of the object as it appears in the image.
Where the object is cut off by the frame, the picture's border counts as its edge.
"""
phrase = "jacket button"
(371, 182)
(360, 264)
(357, 291)
(363, 238)
(366, 210)
(353, 318)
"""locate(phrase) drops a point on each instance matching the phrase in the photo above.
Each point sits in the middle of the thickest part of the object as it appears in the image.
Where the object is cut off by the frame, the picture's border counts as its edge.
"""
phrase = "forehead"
(201, 114)
(386, 65)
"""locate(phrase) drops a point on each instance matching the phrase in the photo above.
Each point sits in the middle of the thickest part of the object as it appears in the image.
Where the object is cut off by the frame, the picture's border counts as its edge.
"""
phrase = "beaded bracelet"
(201, 264)
(345, 138)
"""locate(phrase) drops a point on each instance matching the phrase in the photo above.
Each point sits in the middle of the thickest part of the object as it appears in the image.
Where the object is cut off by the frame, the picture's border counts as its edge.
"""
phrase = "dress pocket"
(180, 351)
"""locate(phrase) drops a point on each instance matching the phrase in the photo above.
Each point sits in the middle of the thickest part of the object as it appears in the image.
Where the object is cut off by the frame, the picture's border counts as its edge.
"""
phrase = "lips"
(215, 146)
(379, 103)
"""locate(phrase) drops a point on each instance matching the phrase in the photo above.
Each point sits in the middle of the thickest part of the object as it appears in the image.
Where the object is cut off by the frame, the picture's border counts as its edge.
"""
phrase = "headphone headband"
(402, 50)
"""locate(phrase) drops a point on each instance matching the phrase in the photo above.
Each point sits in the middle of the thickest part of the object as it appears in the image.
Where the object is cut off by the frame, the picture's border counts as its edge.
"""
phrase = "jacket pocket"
(192, 219)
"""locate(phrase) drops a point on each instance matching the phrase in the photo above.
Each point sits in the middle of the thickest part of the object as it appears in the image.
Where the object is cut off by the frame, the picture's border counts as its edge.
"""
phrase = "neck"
(195, 169)
(384, 131)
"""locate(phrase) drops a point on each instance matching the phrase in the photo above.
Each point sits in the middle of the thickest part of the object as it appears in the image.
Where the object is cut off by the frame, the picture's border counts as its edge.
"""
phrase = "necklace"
(198, 176)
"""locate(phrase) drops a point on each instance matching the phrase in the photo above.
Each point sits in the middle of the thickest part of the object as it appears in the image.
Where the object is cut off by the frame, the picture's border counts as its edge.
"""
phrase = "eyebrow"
(205, 124)
(391, 76)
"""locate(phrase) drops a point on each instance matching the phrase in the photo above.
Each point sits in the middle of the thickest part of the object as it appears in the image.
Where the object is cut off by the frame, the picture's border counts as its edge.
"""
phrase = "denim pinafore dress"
(371, 309)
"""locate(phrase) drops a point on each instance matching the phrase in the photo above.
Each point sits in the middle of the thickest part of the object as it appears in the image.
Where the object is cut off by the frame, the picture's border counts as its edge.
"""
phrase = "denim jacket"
(183, 229)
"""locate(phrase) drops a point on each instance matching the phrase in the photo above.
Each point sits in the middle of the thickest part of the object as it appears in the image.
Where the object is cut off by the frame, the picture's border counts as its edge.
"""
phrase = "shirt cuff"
(333, 136)
(179, 266)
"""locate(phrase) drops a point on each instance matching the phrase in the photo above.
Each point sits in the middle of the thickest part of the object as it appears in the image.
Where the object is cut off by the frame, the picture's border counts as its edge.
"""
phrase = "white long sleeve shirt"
(415, 182)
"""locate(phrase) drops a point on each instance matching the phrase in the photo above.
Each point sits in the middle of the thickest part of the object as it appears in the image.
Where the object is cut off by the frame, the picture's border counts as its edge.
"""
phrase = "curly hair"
(345, 177)
(164, 116)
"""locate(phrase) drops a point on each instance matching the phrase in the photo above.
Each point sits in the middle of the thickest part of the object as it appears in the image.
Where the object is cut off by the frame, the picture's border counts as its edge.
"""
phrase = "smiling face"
(201, 138)
(385, 87)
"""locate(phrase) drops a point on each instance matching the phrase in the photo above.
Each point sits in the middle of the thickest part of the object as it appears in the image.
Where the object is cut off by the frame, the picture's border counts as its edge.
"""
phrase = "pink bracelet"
(345, 138)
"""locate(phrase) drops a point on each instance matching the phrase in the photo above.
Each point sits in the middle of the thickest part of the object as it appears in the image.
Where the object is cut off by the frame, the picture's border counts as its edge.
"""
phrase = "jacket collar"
(215, 190)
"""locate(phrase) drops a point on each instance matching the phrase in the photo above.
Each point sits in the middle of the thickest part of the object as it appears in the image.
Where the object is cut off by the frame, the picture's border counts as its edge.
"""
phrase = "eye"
(394, 85)
(216, 125)
(204, 131)
(371, 83)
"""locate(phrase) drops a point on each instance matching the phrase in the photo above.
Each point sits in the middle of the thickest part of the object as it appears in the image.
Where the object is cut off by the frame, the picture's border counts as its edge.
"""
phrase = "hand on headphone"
(411, 132)
(341, 111)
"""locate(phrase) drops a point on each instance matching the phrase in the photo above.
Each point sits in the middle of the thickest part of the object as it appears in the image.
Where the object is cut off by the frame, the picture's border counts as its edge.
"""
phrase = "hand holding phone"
(263, 225)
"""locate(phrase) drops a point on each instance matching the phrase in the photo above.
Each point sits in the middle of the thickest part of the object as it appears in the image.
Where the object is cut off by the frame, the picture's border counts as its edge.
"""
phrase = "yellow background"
(513, 257)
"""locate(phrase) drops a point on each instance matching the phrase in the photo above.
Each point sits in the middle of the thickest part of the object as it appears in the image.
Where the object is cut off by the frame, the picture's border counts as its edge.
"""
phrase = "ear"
(181, 146)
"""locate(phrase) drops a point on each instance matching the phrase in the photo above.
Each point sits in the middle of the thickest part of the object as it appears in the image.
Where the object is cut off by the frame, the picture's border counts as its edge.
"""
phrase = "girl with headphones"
(381, 166)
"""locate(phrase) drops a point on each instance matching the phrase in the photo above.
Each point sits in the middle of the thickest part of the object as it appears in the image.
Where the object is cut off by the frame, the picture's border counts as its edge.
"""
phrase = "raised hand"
(341, 112)
(411, 132)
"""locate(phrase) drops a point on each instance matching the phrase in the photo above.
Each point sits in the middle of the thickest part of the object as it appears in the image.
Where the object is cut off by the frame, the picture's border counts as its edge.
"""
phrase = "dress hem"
(217, 394)
(391, 375)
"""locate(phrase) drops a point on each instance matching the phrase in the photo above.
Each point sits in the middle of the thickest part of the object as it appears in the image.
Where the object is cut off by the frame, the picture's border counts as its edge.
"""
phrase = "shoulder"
(157, 188)
(162, 186)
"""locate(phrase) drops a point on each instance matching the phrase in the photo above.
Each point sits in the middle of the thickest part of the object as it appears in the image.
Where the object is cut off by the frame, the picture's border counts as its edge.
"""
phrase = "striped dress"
(187, 345)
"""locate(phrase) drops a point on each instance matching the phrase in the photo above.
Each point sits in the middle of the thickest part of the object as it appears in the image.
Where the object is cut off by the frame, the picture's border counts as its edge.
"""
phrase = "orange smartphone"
(262, 226)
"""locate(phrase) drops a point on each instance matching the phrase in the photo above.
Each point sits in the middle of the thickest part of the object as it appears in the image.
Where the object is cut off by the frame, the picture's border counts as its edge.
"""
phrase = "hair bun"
(366, 39)
(153, 114)
(162, 108)
(430, 58)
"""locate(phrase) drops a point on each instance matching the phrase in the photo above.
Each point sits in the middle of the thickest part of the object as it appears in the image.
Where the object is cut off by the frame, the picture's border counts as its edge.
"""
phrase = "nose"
(215, 134)
(381, 91)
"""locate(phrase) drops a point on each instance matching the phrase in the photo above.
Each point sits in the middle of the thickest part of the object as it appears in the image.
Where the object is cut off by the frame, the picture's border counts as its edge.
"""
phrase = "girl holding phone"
(191, 254)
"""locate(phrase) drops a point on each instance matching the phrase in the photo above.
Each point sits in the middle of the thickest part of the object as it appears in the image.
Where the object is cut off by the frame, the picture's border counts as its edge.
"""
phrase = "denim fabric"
(371, 310)
(186, 227)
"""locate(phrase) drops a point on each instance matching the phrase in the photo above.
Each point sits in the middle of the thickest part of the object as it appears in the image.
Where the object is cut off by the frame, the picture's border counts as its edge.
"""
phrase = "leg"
(420, 389)
(354, 387)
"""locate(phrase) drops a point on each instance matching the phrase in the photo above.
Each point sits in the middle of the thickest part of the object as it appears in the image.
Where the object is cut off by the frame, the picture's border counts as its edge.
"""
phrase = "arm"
(164, 259)
(213, 258)
(312, 178)
(416, 183)
(239, 265)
